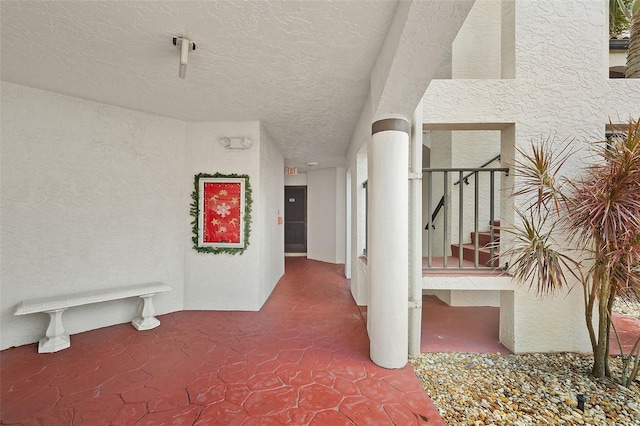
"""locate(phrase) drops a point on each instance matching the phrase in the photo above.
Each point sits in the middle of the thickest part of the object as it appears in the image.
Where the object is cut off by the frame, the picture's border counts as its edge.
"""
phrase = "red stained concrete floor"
(302, 359)
(459, 329)
(628, 331)
(476, 329)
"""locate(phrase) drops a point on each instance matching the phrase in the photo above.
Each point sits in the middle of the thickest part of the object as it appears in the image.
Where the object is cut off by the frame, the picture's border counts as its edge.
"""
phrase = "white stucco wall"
(321, 220)
(476, 54)
(95, 196)
(347, 225)
(271, 206)
(326, 214)
(561, 88)
(92, 198)
(223, 281)
(444, 295)
(359, 286)
(472, 149)
(476, 48)
(341, 214)
(357, 160)
(475, 298)
(441, 157)
(296, 180)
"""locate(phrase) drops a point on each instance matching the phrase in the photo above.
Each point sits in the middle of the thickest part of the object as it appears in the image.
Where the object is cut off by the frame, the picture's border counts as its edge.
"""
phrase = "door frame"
(304, 251)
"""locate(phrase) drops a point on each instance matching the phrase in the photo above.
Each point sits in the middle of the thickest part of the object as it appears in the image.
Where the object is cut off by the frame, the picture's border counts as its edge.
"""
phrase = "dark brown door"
(295, 219)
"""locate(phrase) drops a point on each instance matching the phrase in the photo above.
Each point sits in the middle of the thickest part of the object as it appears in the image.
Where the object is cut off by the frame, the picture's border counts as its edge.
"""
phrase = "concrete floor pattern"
(302, 359)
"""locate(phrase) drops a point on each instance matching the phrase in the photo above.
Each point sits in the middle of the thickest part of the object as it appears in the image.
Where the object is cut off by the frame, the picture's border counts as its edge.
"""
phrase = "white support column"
(146, 319)
(55, 338)
(415, 235)
(388, 248)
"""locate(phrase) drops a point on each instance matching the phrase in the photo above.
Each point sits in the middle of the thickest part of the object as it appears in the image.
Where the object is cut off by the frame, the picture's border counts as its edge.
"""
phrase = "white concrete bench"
(57, 339)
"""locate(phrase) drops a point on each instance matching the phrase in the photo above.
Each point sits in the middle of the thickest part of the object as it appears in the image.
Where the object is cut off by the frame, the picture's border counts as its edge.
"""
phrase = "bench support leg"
(56, 338)
(146, 319)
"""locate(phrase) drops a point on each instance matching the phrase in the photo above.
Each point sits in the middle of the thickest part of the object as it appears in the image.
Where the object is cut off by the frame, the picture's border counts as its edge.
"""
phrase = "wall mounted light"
(236, 143)
(185, 45)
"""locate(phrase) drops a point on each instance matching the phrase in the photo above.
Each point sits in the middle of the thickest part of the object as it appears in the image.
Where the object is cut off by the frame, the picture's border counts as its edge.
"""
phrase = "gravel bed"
(626, 307)
(529, 389)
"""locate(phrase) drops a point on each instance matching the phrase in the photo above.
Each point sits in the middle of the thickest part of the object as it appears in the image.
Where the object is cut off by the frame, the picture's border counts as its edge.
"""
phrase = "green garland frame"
(195, 211)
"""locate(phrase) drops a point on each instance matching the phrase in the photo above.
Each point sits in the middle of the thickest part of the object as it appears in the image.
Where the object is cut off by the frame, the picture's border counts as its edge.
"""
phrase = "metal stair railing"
(464, 175)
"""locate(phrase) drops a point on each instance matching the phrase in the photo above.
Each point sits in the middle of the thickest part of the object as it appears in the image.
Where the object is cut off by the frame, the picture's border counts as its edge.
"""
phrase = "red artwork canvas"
(222, 212)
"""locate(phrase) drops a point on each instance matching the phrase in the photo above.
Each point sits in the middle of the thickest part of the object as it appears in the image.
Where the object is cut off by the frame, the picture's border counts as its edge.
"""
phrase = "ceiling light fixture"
(185, 45)
(312, 164)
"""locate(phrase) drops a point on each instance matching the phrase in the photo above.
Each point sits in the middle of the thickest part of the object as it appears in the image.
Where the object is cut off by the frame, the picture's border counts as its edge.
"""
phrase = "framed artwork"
(221, 211)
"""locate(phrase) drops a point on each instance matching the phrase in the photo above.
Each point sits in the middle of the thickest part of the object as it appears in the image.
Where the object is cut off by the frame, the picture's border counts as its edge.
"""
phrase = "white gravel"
(530, 389)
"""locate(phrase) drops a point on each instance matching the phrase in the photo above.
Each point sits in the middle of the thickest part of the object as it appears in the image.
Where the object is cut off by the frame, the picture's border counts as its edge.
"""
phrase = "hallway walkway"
(303, 359)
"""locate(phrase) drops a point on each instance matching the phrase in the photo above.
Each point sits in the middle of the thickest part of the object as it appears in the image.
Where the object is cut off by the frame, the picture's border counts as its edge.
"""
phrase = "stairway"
(484, 252)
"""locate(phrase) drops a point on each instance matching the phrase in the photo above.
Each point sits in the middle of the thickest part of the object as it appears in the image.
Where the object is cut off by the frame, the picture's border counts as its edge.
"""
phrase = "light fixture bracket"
(185, 45)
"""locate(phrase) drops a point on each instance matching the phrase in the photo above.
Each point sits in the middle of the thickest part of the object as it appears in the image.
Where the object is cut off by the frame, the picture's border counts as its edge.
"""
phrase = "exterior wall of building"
(444, 295)
(410, 57)
(359, 287)
(357, 161)
(326, 234)
(466, 297)
(296, 180)
(96, 196)
(224, 281)
(561, 89)
(471, 149)
(92, 198)
(475, 298)
(267, 212)
(476, 54)
(326, 211)
(341, 212)
(477, 47)
(441, 157)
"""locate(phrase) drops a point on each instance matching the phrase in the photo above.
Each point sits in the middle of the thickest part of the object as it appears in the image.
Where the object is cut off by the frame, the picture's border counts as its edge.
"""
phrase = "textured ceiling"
(300, 67)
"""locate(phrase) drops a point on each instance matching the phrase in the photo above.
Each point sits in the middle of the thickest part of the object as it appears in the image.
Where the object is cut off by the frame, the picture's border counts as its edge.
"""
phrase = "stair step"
(484, 254)
(484, 238)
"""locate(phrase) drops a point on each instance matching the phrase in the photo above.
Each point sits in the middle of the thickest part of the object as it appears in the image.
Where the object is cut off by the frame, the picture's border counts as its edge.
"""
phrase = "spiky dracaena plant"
(536, 257)
(600, 211)
(604, 216)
